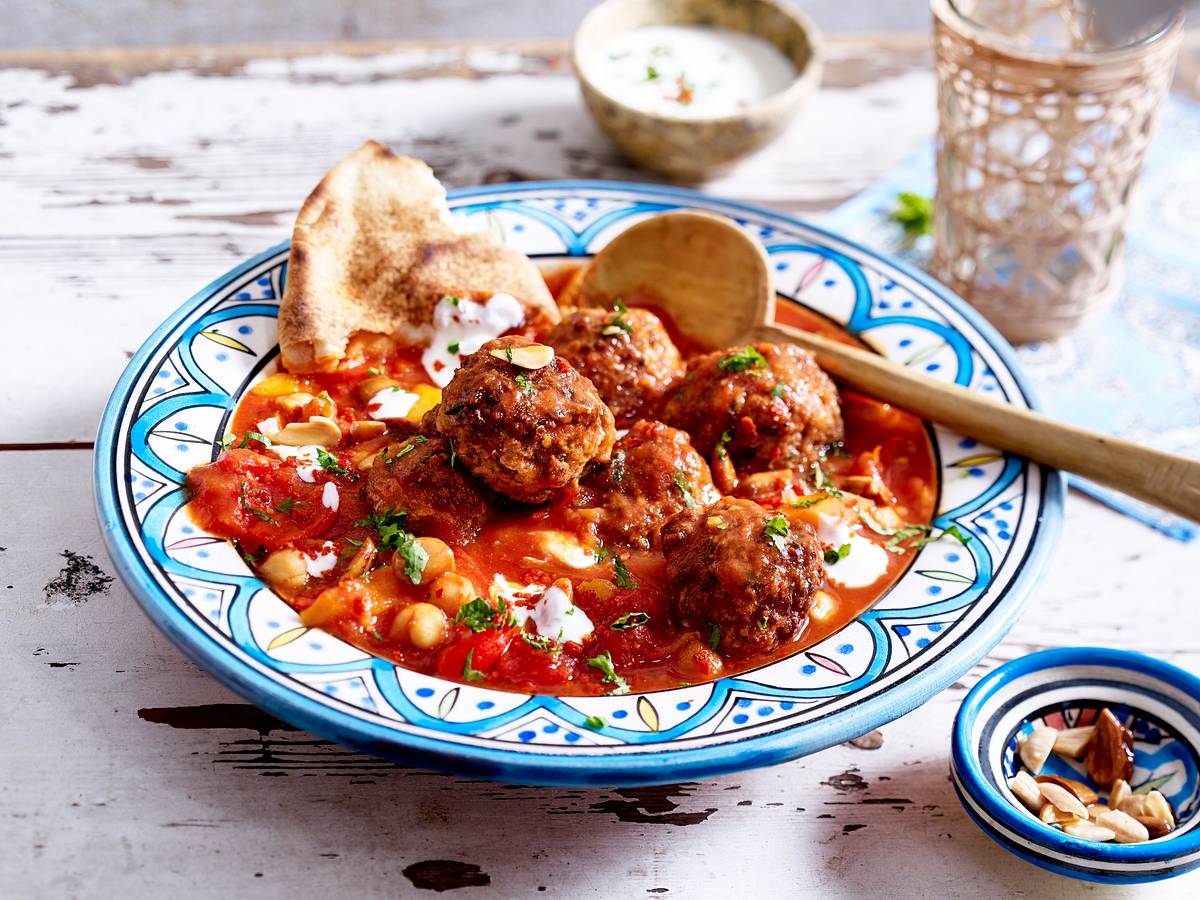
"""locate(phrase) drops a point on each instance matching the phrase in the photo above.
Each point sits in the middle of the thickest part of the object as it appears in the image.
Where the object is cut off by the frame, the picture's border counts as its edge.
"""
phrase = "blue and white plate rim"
(652, 766)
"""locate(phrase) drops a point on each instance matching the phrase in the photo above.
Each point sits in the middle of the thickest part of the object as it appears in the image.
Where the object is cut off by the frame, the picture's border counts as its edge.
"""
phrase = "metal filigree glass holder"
(1044, 125)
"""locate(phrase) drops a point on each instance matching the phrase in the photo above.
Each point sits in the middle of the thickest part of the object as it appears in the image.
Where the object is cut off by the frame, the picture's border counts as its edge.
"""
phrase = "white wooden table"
(130, 179)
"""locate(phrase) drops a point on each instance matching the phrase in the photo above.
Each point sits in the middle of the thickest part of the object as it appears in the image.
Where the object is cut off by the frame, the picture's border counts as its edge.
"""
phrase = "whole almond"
(1085, 794)
(1110, 753)
(1035, 747)
(1155, 826)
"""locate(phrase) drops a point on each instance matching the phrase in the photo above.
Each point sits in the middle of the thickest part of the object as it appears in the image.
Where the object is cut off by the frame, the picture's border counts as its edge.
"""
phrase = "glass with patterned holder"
(1044, 121)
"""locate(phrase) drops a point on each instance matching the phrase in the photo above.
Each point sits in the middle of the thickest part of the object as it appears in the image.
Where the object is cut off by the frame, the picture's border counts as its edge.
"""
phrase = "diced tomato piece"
(257, 500)
(488, 647)
(530, 668)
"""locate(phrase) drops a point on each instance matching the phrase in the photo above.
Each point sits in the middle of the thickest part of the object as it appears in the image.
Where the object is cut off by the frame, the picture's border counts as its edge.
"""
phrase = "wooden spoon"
(714, 280)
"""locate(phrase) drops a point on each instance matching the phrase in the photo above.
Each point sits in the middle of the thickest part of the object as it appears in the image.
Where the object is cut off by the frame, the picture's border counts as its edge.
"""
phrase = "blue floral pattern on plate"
(169, 413)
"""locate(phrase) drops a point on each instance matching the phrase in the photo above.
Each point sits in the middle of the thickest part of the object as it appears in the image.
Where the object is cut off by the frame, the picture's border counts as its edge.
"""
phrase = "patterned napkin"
(1136, 373)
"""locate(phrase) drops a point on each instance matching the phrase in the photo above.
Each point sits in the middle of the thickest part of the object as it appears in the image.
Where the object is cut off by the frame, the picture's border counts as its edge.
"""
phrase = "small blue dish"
(1063, 688)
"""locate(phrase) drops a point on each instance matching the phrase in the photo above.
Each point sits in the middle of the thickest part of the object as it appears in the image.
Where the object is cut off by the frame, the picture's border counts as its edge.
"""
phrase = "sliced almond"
(1159, 807)
(285, 570)
(1110, 753)
(1085, 794)
(366, 429)
(317, 431)
(292, 402)
(1089, 831)
(1052, 815)
(362, 559)
(1096, 809)
(531, 356)
(1128, 829)
(1119, 793)
(1025, 789)
(1073, 741)
(1155, 826)
(1035, 747)
(1062, 799)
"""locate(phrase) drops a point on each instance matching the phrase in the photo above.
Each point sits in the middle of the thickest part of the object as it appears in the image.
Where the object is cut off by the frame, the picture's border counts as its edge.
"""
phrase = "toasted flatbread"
(375, 248)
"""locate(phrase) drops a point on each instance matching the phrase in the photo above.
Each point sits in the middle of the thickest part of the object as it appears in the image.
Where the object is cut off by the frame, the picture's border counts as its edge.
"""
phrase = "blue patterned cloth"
(1136, 373)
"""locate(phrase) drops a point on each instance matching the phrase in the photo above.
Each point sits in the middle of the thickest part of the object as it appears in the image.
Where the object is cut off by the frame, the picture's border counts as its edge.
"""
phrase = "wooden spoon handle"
(1163, 479)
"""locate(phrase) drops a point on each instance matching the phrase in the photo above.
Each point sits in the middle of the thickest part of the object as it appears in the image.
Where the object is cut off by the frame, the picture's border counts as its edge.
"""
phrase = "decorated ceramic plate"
(953, 602)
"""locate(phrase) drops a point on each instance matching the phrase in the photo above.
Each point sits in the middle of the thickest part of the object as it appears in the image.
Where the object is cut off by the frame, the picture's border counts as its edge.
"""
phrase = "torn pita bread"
(375, 248)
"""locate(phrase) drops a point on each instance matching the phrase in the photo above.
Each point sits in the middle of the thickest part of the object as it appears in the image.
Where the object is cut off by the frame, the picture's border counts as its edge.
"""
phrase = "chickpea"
(422, 624)
(369, 387)
(285, 570)
(441, 558)
(450, 591)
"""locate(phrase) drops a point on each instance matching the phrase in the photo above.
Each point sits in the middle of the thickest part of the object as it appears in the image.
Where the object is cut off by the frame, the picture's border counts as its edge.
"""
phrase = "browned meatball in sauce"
(738, 568)
(627, 354)
(525, 432)
(654, 474)
(442, 500)
(775, 403)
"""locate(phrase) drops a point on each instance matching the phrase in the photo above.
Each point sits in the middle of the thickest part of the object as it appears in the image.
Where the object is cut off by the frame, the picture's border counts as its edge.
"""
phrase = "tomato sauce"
(266, 505)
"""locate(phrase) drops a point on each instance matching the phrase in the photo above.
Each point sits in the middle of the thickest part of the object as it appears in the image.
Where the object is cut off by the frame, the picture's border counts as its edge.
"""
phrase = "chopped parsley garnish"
(616, 470)
(329, 462)
(525, 385)
(453, 452)
(806, 502)
(726, 437)
(775, 530)
(245, 504)
(226, 442)
(595, 722)
(685, 489)
(374, 371)
(604, 663)
(452, 347)
(601, 554)
(477, 615)
(624, 579)
(832, 556)
(824, 482)
(762, 625)
(871, 522)
(377, 635)
(470, 674)
(740, 360)
(539, 642)
(353, 542)
(630, 620)
(918, 536)
(393, 536)
(714, 637)
(287, 504)
(778, 390)
(454, 301)
(508, 352)
(618, 324)
(254, 436)
(409, 446)
(651, 73)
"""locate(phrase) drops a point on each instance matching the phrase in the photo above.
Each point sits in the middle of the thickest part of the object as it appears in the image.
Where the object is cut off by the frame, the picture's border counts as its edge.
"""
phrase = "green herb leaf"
(624, 579)
(415, 557)
(914, 213)
(651, 73)
(617, 323)
(525, 385)
(630, 620)
(478, 615)
(254, 436)
(824, 482)
(604, 663)
(329, 462)
(226, 442)
(469, 673)
(539, 642)
(714, 637)
(832, 556)
(740, 360)
(762, 625)
(508, 352)
(874, 524)
(409, 446)
(726, 437)
(775, 530)
(601, 554)
(595, 722)
(389, 526)
(245, 504)
(287, 504)
(373, 371)
(452, 347)
(685, 489)
(778, 390)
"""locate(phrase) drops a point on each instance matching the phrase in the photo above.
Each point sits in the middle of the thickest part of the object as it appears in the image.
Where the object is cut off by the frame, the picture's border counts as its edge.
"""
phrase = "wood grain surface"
(128, 180)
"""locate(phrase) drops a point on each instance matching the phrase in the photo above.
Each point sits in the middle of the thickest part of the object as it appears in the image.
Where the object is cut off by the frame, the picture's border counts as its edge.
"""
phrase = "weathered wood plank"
(140, 775)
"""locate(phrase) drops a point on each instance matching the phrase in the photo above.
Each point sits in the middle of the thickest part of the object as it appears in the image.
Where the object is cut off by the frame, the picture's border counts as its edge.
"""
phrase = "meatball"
(627, 354)
(742, 574)
(767, 406)
(654, 474)
(417, 476)
(525, 432)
